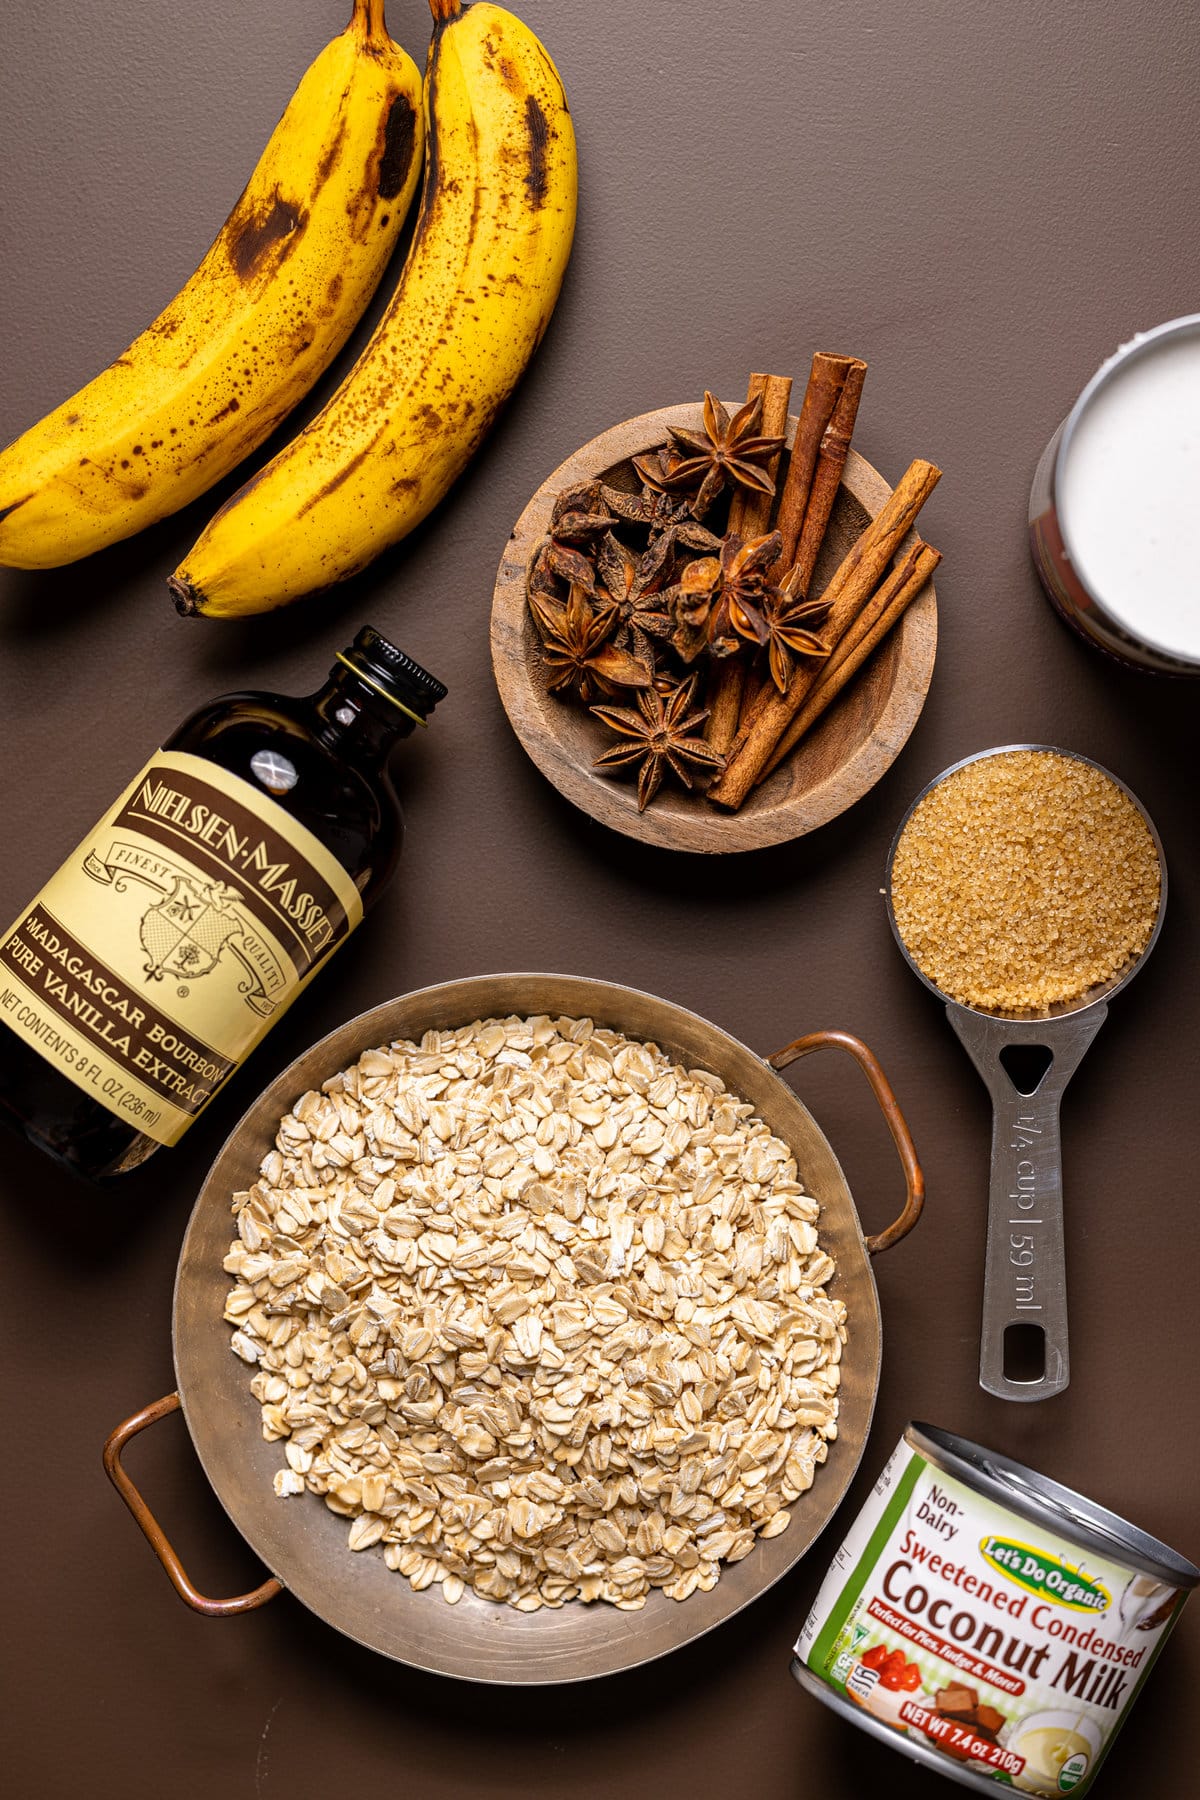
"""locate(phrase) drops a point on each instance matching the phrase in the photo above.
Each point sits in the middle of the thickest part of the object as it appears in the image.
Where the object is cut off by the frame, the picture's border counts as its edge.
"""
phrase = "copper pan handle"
(155, 1535)
(889, 1106)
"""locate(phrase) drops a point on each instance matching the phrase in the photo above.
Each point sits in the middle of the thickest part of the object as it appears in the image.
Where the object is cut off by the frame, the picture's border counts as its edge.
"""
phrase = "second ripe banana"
(489, 253)
(267, 310)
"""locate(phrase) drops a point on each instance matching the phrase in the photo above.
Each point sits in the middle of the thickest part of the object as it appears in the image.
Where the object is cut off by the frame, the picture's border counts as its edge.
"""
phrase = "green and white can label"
(992, 1646)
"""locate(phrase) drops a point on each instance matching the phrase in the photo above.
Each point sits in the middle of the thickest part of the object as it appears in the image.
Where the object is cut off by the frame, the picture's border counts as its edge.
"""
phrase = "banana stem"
(369, 19)
(444, 10)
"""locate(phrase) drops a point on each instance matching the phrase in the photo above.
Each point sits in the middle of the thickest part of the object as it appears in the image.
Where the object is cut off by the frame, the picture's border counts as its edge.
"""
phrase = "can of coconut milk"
(1112, 514)
(987, 1621)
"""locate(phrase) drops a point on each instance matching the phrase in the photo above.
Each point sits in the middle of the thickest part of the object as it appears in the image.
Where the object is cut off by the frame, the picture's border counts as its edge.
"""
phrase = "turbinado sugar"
(1024, 879)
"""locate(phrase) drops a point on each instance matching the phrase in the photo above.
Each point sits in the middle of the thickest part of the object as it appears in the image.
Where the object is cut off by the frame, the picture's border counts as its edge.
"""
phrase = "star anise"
(790, 619)
(580, 514)
(557, 564)
(541, 578)
(656, 467)
(659, 739)
(661, 513)
(634, 584)
(576, 651)
(729, 452)
(721, 599)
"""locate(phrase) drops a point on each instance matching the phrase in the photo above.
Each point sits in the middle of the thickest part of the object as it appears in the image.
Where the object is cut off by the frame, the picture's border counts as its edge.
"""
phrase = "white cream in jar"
(1129, 493)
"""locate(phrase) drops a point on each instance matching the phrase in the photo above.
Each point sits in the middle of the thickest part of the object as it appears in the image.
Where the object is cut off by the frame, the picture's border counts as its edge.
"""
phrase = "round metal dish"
(304, 1544)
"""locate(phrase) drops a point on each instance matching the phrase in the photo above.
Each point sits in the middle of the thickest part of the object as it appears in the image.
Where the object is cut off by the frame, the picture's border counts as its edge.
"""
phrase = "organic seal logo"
(1042, 1573)
(1072, 1772)
(185, 933)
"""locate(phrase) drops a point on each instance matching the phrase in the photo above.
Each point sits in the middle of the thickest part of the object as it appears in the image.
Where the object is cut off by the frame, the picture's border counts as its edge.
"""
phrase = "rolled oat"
(538, 1312)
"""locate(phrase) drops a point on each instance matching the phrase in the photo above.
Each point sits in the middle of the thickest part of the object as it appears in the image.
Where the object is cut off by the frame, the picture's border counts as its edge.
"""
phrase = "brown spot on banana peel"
(434, 196)
(431, 184)
(399, 145)
(327, 163)
(340, 475)
(251, 239)
(537, 180)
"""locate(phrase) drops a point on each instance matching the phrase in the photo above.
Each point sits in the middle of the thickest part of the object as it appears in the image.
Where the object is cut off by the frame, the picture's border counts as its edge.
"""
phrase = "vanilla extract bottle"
(217, 885)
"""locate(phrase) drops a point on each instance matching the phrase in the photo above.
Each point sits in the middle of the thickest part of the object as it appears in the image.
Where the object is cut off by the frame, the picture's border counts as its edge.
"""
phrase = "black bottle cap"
(382, 666)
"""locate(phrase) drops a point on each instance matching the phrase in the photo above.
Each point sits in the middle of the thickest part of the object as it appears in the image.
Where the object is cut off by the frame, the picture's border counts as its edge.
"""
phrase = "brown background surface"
(983, 203)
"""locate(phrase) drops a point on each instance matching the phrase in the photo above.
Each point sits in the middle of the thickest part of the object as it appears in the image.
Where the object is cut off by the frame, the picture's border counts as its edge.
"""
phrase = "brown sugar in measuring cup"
(1025, 886)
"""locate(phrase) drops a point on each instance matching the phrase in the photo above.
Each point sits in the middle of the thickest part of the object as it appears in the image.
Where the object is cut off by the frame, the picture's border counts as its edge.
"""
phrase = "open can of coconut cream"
(987, 1621)
(1112, 514)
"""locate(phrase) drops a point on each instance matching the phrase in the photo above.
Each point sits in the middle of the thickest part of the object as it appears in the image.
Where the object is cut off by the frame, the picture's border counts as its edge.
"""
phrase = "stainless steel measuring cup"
(1026, 1061)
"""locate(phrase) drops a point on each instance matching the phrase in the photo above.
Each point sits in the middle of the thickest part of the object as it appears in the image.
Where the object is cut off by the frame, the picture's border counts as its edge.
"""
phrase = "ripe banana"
(267, 310)
(488, 256)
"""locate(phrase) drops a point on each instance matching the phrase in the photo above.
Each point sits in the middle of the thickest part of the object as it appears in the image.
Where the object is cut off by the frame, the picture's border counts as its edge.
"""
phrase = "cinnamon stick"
(750, 510)
(835, 446)
(849, 591)
(819, 451)
(873, 624)
(726, 685)
(749, 516)
(826, 386)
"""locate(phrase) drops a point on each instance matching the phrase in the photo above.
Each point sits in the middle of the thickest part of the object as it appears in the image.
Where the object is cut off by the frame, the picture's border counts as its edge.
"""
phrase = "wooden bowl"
(843, 756)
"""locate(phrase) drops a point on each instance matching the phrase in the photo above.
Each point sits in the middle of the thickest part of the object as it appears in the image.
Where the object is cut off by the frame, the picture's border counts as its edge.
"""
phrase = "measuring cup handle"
(155, 1535)
(889, 1106)
(1023, 1350)
(1025, 1268)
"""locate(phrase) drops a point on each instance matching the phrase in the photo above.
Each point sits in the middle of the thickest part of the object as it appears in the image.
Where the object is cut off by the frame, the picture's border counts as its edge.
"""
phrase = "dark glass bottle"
(224, 877)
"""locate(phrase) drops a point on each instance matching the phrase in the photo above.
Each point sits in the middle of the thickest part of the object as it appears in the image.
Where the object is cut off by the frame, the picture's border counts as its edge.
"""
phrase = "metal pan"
(304, 1545)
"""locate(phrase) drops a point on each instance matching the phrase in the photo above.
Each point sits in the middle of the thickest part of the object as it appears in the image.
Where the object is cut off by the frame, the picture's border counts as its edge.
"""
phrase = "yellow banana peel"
(490, 249)
(272, 303)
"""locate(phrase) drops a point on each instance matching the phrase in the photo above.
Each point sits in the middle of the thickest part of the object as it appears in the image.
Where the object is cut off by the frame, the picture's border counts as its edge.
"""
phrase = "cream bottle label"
(161, 952)
(958, 1624)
